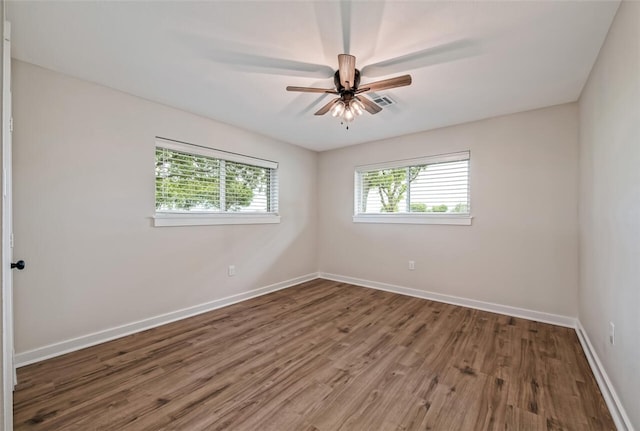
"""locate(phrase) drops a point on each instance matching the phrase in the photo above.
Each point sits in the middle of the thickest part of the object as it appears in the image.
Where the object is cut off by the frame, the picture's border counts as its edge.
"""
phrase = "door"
(8, 369)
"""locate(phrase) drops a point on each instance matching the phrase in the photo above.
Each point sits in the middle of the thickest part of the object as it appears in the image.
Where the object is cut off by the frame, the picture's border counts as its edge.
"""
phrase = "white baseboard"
(618, 413)
(538, 316)
(60, 348)
(609, 394)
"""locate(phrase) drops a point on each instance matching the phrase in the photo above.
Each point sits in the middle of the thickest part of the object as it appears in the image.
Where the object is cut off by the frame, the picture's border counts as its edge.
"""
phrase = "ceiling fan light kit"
(338, 109)
(347, 111)
(350, 101)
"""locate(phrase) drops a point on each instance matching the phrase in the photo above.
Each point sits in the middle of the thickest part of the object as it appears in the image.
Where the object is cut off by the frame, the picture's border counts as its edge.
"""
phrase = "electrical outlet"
(612, 333)
(412, 265)
(232, 270)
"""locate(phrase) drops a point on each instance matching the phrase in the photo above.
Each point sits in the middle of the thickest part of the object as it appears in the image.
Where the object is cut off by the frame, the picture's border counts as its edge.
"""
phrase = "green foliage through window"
(390, 184)
(418, 208)
(189, 182)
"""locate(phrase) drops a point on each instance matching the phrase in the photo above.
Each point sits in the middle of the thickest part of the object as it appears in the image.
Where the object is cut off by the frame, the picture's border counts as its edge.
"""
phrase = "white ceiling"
(231, 61)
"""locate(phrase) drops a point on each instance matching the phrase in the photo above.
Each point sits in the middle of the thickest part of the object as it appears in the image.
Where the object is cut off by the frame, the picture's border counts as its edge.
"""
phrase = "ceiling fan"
(351, 101)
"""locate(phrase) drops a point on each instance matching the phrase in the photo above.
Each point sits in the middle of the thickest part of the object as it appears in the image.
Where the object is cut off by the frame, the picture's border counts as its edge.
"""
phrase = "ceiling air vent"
(383, 101)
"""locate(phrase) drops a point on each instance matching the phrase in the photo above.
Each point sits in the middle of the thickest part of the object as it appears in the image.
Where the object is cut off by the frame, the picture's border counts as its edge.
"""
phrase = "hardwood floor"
(322, 356)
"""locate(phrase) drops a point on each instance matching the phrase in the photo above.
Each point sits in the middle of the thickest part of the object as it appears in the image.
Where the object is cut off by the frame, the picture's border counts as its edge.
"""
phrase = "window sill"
(181, 219)
(464, 220)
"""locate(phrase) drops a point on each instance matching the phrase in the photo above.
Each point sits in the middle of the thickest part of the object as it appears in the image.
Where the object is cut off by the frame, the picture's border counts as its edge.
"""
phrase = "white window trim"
(166, 219)
(463, 220)
(411, 218)
(175, 218)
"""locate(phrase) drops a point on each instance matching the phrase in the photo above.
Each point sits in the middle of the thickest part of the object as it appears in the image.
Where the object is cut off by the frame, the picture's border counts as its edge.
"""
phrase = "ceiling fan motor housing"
(340, 87)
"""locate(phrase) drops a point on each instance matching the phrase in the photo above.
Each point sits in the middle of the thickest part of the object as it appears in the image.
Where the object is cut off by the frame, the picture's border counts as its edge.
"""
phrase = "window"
(198, 185)
(425, 190)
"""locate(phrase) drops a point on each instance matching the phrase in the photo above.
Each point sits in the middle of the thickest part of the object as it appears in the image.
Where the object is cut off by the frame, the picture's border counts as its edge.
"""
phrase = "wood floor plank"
(322, 356)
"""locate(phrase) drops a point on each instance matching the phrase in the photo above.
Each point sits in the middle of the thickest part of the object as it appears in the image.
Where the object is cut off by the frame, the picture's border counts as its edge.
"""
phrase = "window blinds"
(190, 178)
(429, 185)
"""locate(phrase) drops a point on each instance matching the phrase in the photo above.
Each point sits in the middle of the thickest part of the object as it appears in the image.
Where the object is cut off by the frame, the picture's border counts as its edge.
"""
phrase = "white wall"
(84, 195)
(610, 206)
(521, 249)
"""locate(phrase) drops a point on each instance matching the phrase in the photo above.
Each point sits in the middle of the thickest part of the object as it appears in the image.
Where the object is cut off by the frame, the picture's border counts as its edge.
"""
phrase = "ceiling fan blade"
(327, 107)
(369, 106)
(347, 70)
(312, 90)
(248, 58)
(385, 84)
(435, 55)
(270, 65)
